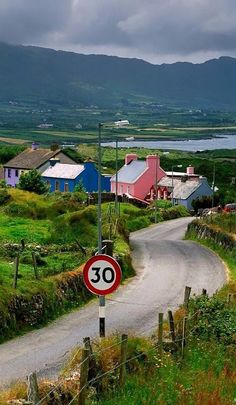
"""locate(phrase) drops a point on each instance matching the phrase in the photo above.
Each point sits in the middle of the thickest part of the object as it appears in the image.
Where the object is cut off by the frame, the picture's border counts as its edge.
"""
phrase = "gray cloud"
(150, 29)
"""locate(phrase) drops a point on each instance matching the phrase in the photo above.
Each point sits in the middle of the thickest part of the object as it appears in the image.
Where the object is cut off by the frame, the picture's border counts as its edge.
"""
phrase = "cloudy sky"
(155, 30)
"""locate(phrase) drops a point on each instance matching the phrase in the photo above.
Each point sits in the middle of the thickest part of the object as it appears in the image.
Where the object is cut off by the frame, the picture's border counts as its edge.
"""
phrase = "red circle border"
(114, 264)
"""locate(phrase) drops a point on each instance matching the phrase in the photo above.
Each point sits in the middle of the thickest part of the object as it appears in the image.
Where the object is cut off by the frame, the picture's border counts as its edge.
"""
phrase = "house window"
(16, 173)
(121, 189)
(57, 185)
(66, 187)
(128, 189)
(9, 173)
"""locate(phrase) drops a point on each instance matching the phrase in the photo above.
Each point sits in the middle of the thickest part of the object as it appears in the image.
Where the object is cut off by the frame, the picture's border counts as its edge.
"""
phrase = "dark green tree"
(32, 181)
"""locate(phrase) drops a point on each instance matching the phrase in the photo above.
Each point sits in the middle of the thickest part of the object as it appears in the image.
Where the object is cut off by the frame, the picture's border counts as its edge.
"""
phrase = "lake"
(218, 142)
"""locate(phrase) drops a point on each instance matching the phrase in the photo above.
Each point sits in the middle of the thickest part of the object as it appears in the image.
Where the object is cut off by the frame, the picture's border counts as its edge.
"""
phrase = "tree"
(32, 181)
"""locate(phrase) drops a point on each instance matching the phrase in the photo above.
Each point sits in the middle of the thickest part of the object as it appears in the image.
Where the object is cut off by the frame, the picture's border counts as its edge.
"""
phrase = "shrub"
(4, 196)
(177, 211)
(216, 321)
(18, 210)
(163, 204)
(76, 225)
(138, 223)
(32, 181)
(3, 183)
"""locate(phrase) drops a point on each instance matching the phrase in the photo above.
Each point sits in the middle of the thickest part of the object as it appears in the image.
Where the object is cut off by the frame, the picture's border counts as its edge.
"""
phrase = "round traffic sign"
(102, 274)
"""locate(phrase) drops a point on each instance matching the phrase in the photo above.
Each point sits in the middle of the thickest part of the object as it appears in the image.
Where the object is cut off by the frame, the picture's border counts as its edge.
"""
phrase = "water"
(218, 142)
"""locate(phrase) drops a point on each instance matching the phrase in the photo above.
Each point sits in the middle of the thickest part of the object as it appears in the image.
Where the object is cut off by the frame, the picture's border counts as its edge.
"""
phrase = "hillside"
(37, 75)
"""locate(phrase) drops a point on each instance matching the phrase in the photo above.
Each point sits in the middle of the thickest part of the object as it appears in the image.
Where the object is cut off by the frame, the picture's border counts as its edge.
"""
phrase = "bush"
(32, 181)
(177, 211)
(216, 321)
(138, 223)
(18, 210)
(163, 204)
(4, 196)
(77, 225)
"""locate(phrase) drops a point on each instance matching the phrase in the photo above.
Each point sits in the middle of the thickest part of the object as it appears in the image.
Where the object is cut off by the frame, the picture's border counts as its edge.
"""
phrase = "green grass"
(207, 376)
(13, 229)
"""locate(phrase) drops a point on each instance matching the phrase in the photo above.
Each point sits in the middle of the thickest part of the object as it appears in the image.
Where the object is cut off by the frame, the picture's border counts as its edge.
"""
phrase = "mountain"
(33, 74)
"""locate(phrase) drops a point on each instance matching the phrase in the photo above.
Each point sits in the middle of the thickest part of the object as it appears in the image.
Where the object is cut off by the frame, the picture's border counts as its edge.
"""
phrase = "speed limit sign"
(102, 274)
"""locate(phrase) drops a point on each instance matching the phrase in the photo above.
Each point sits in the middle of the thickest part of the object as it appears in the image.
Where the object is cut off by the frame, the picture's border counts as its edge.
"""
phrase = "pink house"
(137, 177)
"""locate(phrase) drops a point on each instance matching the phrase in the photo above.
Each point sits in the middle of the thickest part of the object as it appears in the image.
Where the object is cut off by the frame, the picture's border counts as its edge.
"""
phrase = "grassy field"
(20, 123)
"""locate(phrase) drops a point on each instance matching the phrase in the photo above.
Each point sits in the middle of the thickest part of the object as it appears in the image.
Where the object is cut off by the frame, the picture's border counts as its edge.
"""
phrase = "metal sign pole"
(102, 303)
(102, 275)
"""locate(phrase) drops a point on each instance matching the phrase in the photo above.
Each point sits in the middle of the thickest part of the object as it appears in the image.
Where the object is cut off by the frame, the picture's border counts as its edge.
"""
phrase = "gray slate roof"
(182, 190)
(63, 171)
(129, 173)
(167, 181)
(31, 159)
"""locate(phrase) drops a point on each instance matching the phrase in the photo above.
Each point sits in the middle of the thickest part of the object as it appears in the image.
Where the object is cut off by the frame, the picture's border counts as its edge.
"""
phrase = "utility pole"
(156, 193)
(213, 184)
(116, 189)
(101, 297)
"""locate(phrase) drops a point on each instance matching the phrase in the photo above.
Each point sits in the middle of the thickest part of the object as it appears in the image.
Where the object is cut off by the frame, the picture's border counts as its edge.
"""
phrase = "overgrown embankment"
(217, 232)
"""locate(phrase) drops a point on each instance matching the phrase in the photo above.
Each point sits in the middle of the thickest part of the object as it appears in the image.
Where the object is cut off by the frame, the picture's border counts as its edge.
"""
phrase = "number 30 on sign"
(102, 274)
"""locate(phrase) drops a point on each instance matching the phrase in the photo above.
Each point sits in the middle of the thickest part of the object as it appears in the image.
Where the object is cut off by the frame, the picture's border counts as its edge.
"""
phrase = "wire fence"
(100, 376)
(167, 336)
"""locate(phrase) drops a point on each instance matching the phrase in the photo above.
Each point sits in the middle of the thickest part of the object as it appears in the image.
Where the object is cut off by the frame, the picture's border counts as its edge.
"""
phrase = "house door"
(57, 185)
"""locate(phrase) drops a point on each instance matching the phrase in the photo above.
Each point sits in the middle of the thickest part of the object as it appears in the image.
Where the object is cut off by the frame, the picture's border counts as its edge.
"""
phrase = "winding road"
(164, 263)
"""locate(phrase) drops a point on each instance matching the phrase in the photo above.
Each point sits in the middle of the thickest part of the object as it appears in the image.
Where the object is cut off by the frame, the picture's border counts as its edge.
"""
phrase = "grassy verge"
(220, 238)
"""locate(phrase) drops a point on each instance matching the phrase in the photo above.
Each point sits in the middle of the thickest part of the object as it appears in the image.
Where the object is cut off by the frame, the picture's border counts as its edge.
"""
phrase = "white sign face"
(102, 274)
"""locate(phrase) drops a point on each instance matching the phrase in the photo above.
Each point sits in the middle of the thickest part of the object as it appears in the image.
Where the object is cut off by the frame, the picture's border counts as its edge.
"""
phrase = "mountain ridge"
(36, 74)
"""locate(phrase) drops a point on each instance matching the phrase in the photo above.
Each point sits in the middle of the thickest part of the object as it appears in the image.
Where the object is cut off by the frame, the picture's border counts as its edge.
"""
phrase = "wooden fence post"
(17, 259)
(123, 358)
(84, 369)
(187, 293)
(22, 244)
(171, 326)
(183, 343)
(92, 360)
(229, 298)
(35, 266)
(32, 389)
(160, 333)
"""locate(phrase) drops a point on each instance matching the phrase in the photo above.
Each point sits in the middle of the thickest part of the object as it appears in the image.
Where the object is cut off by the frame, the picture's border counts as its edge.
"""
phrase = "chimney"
(34, 145)
(203, 179)
(54, 146)
(130, 157)
(190, 170)
(153, 161)
(53, 161)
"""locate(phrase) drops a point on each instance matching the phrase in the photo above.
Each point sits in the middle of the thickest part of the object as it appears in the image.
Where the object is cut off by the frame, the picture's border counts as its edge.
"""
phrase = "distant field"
(19, 123)
(13, 140)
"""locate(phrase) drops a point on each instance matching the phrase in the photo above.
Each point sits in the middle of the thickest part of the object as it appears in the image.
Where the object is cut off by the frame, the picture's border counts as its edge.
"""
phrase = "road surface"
(164, 263)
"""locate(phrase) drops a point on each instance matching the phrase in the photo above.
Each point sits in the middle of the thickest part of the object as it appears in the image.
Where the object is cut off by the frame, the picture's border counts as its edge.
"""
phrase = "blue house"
(64, 177)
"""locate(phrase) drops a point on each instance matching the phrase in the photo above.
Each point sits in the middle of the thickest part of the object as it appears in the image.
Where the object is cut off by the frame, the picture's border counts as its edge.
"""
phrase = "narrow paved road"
(164, 265)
